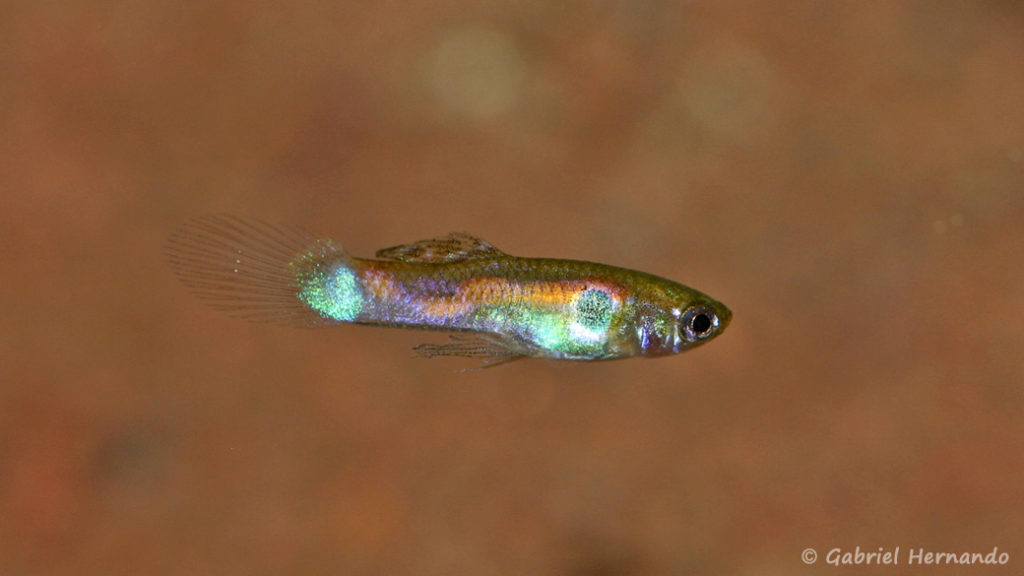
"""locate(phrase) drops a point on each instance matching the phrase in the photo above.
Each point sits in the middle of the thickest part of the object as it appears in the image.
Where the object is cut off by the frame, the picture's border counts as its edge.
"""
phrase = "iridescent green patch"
(552, 329)
(332, 290)
(594, 309)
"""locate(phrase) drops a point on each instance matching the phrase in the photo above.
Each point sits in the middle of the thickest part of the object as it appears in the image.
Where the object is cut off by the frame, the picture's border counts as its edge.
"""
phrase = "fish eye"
(699, 322)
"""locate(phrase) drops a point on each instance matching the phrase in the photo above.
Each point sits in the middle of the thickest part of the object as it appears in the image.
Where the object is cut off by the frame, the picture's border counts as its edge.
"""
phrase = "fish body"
(501, 307)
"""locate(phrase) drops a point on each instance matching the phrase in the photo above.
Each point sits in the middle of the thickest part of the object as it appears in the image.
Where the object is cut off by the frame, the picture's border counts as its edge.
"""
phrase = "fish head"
(680, 328)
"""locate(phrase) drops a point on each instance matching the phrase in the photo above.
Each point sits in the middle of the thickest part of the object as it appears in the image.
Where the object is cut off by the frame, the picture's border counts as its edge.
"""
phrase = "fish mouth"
(724, 315)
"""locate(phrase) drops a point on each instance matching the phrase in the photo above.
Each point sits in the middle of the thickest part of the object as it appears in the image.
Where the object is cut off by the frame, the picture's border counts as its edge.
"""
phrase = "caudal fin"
(249, 268)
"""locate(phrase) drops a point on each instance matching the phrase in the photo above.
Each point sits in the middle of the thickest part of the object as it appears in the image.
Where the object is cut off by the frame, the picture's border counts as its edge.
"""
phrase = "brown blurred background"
(846, 176)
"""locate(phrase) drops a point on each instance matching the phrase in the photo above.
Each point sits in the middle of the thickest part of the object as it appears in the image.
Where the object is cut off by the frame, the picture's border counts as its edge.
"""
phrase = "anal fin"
(494, 349)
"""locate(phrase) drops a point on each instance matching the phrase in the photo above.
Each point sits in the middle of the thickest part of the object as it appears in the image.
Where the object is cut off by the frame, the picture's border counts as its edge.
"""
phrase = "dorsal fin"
(455, 247)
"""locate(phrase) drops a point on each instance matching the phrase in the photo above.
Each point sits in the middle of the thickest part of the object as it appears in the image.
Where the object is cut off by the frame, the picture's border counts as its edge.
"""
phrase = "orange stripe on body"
(541, 294)
(484, 291)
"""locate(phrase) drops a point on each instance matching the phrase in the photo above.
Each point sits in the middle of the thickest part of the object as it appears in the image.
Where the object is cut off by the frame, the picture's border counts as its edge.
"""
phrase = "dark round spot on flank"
(594, 309)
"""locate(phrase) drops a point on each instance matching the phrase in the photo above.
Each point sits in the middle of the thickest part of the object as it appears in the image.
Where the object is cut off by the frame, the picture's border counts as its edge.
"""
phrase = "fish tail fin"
(256, 270)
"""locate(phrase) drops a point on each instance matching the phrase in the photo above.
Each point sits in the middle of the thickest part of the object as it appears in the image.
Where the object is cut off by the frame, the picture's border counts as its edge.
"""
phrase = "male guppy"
(502, 307)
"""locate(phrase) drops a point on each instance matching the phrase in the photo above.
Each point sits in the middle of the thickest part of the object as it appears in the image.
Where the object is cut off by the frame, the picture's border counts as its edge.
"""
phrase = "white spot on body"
(584, 334)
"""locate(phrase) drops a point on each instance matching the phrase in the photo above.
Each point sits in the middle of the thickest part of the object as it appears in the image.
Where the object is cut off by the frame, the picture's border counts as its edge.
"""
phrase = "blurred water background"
(848, 177)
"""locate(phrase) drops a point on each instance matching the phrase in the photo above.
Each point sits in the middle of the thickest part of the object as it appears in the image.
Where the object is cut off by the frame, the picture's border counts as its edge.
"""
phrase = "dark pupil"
(701, 323)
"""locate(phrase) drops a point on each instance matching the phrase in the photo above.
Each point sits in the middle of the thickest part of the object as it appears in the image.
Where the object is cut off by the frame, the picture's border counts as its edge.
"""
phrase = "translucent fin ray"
(454, 247)
(494, 349)
(246, 267)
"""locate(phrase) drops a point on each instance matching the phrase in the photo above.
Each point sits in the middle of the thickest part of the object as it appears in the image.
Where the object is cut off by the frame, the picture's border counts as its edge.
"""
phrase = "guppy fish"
(502, 307)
